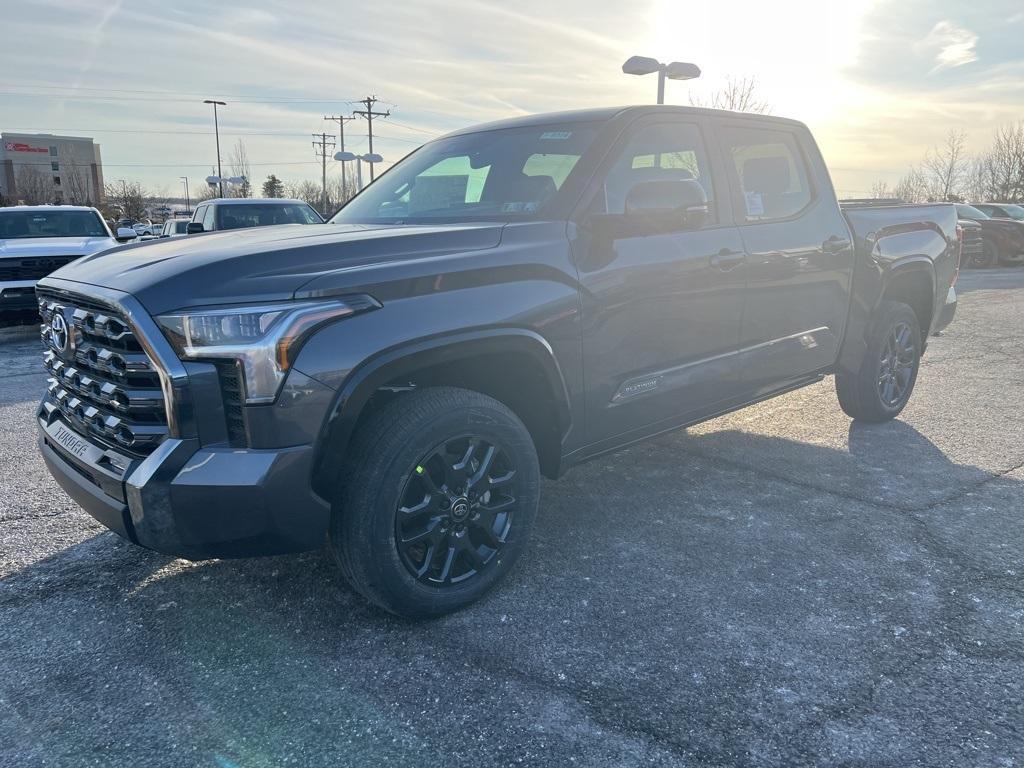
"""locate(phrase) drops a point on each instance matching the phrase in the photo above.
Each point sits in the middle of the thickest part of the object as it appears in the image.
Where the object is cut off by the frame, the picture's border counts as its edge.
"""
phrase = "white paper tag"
(755, 203)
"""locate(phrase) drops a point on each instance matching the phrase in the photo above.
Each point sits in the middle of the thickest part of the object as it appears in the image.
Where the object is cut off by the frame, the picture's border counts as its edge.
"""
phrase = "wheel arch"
(515, 366)
(912, 281)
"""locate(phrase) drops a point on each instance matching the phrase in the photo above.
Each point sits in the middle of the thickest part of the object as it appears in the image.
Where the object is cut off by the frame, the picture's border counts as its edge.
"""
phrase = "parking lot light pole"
(369, 157)
(677, 70)
(188, 204)
(216, 131)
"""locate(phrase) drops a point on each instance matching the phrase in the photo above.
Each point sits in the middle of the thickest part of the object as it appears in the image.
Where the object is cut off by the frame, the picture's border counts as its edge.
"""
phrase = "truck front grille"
(102, 382)
(973, 245)
(32, 268)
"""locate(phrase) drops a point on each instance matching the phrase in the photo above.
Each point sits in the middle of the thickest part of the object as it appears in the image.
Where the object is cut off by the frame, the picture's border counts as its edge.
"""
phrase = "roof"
(604, 114)
(251, 201)
(48, 208)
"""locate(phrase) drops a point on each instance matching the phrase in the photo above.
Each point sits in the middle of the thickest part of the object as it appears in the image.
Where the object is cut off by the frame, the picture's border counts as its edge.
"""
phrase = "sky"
(878, 81)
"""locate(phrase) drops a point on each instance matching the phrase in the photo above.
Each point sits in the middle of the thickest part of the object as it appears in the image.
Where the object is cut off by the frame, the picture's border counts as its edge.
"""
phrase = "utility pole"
(341, 145)
(320, 144)
(369, 114)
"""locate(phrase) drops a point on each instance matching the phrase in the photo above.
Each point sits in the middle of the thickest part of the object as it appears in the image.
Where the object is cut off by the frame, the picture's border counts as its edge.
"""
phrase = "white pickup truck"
(36, 240)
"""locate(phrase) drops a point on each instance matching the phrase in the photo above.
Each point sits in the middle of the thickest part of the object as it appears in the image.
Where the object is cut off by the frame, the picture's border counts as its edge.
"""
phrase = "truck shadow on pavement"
(722, 598)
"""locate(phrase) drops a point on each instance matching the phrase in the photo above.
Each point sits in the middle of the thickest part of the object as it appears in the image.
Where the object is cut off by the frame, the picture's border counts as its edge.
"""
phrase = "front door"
(661, 308)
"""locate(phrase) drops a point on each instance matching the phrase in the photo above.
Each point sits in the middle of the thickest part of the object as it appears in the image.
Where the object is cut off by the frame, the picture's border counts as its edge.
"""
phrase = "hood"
(265, 263)
(54, 246)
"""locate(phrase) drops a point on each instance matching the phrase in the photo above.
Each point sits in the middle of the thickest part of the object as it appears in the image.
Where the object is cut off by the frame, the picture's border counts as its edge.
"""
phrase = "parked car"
(36, 240)
(505, 302)
(1003, 238)
(145, 228)
(175, 228)
(1002, 210)
(242, 213)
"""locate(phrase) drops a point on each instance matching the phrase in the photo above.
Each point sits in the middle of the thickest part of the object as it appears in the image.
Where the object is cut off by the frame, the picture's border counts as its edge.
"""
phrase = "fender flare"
(371, 374)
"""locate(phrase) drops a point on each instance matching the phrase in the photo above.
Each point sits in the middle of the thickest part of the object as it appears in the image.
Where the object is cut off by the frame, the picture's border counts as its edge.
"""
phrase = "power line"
(369, 114)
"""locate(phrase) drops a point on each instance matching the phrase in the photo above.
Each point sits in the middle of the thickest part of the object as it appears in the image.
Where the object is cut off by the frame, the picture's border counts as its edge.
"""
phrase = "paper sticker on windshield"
(755, 203)
(556, 135)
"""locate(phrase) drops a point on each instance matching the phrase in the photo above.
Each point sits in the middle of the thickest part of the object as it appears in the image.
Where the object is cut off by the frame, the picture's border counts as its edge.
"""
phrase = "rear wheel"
(438, 501)
(881, 388)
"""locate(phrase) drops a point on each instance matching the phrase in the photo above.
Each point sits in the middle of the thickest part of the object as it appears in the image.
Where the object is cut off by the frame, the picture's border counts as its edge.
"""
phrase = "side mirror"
(194, 227)
(124, 234)
(676, 203)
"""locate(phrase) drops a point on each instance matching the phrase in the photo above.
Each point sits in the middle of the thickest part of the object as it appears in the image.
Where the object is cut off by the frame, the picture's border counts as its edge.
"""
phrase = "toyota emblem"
(59, 332)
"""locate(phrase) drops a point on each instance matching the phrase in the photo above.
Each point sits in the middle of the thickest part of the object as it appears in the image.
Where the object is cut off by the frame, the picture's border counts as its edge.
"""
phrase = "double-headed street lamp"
(216, 130)
(369, 157)
(677, 70)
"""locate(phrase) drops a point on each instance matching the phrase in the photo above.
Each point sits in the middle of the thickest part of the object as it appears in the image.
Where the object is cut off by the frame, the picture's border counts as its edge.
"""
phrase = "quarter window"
(770, 172)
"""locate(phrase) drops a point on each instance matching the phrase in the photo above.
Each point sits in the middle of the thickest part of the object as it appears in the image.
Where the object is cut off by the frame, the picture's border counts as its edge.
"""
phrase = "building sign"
(13, 146)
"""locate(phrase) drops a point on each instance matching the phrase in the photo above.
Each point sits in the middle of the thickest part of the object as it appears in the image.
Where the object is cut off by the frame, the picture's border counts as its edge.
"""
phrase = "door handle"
(835, 244)
(726, 260)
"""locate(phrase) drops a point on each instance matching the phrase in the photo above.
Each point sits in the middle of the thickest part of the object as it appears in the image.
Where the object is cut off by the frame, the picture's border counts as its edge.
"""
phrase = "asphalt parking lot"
(777, 587)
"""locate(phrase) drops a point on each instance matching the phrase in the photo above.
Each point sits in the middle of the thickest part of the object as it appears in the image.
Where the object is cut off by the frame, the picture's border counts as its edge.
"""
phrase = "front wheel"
(880, 389)
(437, 501)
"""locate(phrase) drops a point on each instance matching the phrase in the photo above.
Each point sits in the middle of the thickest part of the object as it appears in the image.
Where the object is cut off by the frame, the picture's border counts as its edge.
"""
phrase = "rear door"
(799, 253)
(661, 308)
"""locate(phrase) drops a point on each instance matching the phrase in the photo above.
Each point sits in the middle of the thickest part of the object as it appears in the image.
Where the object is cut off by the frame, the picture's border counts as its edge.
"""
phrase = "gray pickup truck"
(506, 302)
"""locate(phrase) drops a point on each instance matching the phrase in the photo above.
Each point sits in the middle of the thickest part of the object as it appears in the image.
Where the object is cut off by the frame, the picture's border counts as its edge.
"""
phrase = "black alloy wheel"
(441, 487)
(456, 511)
(896, 366)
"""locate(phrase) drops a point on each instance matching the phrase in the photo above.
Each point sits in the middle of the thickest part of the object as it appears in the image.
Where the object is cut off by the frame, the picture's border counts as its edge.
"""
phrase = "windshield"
(1014, 211)
(15, 224)
(970, 212)
(265, 215)
(500, 175)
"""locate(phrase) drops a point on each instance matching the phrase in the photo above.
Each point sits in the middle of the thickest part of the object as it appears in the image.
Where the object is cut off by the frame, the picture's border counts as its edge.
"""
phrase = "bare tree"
(880, 190)
(34, 187)
(946, 168)
(238, 162)
(1001, 169)
(738, 95)
(307, 191)
(913, 187)
(130, 197)
(338, 193)
(74, 178)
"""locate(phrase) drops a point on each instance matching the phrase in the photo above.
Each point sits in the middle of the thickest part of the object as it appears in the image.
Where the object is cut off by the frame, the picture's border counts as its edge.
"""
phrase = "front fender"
(393, 364)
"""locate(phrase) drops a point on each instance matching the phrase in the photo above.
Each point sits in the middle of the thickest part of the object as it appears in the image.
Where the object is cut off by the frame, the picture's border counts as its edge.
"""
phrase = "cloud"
(950, 45)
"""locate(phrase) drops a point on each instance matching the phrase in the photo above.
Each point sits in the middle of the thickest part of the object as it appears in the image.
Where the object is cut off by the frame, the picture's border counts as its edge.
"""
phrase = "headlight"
(262, 339)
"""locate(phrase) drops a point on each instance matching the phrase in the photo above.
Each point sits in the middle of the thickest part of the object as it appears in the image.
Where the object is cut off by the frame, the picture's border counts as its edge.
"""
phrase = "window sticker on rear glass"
(755, 203)
(556, 135)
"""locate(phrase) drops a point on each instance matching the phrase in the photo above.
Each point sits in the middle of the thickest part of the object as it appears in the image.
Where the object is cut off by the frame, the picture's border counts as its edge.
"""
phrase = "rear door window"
(769, 170)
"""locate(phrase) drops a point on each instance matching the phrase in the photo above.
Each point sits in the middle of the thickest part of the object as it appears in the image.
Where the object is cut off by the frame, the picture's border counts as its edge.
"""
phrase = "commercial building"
(38, 168)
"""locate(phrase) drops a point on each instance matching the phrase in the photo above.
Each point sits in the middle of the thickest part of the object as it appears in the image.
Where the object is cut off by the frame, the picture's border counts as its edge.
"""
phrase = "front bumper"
(18, 297)
(194, 502)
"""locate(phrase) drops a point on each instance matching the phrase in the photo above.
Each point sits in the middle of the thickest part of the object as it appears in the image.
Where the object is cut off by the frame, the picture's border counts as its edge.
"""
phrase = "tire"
(883, 385)
(417, 527)
(989, 256)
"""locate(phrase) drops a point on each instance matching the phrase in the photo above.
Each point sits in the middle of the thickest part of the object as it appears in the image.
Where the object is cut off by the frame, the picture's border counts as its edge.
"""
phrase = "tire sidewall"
(895, 312)
(374, 516)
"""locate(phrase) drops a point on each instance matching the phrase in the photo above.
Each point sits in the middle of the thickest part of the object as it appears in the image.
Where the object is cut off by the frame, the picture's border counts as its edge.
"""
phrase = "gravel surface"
(777, 587)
